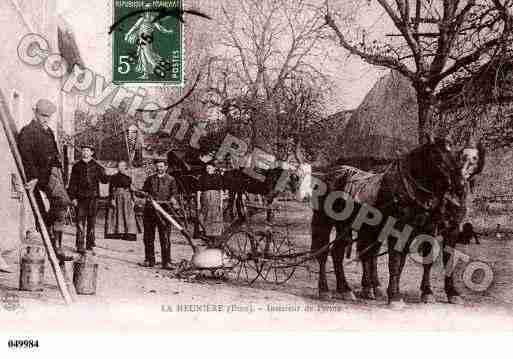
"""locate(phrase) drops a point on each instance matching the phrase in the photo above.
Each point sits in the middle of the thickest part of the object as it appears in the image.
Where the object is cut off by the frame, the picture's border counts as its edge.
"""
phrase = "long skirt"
(211, 212)
(120, 221)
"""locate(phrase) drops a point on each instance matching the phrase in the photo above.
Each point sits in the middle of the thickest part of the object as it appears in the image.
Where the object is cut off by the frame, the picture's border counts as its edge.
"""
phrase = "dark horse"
(266, 182)
(408, 199)
(470, 162)
(186, 171)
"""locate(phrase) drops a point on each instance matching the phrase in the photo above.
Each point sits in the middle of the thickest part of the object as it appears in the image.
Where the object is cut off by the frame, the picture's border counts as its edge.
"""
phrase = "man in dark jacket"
(162, 188)
(41, 161)
(84, 189)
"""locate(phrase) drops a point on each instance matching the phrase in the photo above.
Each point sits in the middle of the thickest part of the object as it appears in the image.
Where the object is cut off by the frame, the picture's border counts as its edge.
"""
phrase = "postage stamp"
(147, 42)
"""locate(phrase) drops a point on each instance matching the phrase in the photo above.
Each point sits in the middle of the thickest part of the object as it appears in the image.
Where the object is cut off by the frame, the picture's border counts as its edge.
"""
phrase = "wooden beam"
(10, 131)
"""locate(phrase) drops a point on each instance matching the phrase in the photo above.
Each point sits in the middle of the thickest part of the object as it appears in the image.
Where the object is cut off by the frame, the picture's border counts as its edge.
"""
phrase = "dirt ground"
(133, 298)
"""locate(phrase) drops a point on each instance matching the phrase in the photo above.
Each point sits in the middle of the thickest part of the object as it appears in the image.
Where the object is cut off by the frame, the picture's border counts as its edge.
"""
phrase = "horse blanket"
(363, 186)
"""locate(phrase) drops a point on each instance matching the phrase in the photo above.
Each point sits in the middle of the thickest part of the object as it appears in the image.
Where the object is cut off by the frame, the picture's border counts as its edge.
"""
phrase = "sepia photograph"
(186, 166)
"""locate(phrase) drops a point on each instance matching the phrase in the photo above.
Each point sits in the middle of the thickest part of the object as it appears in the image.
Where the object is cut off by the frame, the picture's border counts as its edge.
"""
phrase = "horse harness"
(433, 208)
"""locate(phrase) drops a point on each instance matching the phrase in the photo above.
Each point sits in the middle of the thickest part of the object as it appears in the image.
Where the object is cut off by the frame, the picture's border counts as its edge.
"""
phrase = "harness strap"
(409, 191)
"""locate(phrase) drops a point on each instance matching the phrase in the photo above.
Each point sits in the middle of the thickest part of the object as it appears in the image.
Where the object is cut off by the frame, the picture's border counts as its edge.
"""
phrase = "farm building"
(383, 127)
(332, 127)
(21, 86)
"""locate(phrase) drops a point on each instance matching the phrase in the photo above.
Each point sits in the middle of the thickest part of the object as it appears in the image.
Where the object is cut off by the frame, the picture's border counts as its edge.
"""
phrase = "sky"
(90, 20)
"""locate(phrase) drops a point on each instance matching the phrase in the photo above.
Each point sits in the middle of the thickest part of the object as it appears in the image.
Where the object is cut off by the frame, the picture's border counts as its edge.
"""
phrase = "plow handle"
(175, 223)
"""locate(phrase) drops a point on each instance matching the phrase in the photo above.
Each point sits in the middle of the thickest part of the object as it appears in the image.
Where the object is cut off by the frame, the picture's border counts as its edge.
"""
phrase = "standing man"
(161, 187)
(41, 161)
(84, 189)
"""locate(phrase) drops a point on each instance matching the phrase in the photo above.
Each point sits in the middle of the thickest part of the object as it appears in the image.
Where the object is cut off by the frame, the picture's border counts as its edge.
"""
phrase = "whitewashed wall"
(22, 85)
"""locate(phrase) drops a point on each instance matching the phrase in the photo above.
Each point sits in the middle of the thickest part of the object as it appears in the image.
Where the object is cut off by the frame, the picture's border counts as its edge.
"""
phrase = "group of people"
(43, 169)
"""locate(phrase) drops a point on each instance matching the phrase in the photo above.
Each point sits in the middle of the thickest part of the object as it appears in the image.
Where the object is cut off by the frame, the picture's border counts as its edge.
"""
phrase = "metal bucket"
(85, 275)
(32, 269)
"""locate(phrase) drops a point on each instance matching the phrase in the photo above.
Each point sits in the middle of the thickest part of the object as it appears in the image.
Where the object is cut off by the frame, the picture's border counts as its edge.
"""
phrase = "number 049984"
(23, 343)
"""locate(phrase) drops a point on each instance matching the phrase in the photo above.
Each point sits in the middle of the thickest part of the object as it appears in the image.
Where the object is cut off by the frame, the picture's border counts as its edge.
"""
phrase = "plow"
(245, 253)
(241, 252)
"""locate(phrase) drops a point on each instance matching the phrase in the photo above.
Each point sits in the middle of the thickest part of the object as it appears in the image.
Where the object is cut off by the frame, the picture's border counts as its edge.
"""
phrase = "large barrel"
(85, 275)
(32, 269)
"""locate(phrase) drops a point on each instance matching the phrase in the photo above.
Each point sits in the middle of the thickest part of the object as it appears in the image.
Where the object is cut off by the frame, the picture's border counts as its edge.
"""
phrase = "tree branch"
(466, 60)
(402, 24)
(378, 60)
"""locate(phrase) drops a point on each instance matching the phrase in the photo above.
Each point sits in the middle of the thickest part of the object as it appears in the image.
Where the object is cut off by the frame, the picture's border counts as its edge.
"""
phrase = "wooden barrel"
(32, 269)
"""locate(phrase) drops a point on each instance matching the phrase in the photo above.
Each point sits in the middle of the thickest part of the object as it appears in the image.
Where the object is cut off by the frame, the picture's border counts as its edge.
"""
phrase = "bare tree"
(198, 42)
(436, 40)
(265, 46)
(302, 106)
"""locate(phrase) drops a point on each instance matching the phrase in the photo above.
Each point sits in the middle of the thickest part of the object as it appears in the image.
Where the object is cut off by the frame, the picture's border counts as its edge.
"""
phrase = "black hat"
(89, 145)
(159, 159)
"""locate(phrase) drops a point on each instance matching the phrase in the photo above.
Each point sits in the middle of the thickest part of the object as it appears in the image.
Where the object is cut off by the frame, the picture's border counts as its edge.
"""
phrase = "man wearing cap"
(41, 161)
(84, 189)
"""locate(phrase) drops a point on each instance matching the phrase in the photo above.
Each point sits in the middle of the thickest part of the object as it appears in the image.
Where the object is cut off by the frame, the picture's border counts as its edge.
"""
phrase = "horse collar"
(411, 187)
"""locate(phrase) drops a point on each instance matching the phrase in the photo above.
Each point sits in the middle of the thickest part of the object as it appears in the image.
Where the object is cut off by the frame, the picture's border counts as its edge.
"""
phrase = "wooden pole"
(10, 130)
(177, 225)
(127, 145)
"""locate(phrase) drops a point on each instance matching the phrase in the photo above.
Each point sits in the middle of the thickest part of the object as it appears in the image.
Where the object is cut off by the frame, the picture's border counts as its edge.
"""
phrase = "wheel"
(278, 269)
(246, 253)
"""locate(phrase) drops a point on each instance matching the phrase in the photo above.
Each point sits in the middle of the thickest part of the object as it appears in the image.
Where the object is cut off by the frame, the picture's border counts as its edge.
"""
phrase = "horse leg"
(239, 205)
(367, 292)
(367, 254)
(376, 285)
(448, 246)
(337, 254)
(320, 237)
(396, 260)
(229, 211)
(270, 212)
(324, 292)
(231, 207)
(426, 293)
(349, 249)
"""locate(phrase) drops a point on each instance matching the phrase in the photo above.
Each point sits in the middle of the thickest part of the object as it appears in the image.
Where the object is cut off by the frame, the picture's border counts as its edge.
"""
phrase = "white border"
(249, 345)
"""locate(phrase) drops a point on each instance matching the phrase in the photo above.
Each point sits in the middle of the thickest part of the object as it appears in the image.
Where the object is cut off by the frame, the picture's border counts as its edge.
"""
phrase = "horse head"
(434, 169)
(471, 159)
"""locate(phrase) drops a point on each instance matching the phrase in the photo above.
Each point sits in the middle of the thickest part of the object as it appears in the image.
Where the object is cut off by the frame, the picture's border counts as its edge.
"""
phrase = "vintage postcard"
(272, 165)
